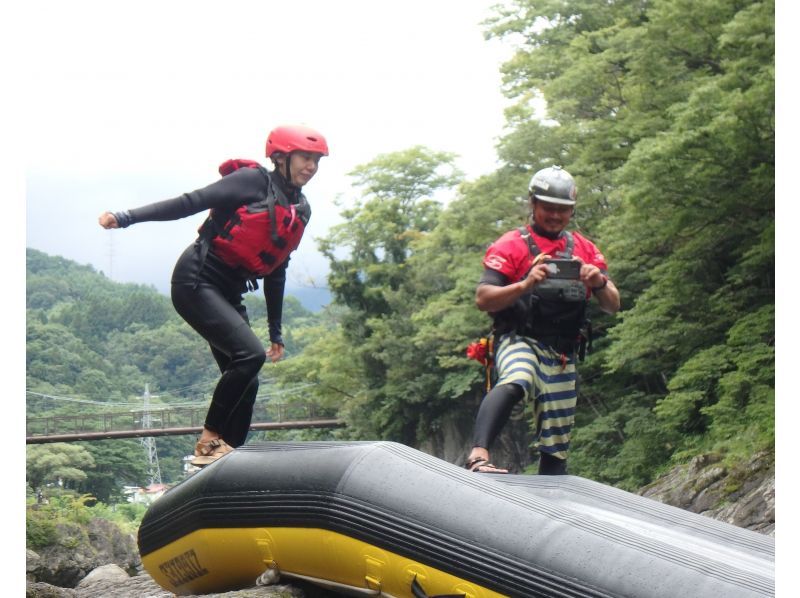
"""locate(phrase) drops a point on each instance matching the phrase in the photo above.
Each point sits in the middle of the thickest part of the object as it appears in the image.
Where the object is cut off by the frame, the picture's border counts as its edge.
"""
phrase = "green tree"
(56, 463)
(54, 354)
(665, 114)
(379, 236)
(118, 463)
(172, 356)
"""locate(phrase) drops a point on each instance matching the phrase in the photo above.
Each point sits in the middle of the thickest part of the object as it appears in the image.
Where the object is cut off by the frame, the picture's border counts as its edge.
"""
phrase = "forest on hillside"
(93, 346)
(663, 111)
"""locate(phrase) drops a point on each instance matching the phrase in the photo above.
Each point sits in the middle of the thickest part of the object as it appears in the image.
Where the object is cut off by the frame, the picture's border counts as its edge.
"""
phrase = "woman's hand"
(107, 220)
(275, 352)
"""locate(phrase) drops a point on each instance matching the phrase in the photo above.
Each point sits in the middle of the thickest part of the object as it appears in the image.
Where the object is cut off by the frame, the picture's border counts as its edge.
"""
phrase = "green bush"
(40, 529)
(128, 516)
(64, 518)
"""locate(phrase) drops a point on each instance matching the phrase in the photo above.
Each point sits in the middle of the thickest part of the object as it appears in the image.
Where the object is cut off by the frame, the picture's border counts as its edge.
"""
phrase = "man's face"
(552, 217)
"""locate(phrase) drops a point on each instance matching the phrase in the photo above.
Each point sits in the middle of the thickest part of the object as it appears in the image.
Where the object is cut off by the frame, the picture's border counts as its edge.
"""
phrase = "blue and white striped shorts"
(548, 380)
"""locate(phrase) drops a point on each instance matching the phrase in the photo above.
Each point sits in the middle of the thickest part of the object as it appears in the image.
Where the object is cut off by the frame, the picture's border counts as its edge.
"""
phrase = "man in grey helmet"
(536, 283)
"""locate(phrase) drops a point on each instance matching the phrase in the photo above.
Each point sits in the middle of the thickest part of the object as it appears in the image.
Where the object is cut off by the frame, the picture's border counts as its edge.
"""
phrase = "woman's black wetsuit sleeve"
(274, 285)
(245, 184)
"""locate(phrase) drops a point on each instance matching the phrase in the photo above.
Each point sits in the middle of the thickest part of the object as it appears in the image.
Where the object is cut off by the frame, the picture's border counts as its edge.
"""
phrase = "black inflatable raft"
(382, 519)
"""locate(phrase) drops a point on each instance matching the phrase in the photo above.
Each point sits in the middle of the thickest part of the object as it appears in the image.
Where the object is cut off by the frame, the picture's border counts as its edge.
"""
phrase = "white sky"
(126, 107)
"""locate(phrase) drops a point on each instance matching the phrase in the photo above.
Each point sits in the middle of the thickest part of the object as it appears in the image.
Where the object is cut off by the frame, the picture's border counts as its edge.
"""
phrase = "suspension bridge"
(146, 420)
(104, 420)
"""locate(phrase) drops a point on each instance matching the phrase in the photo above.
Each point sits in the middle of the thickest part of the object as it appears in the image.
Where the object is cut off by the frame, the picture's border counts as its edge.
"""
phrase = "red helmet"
(289, 138)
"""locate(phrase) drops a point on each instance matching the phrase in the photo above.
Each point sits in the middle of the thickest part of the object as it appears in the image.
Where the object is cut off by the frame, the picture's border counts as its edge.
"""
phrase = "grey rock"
(106, 573)
(80, 550)
(754, 511)
(112, 545)
(32, 561)
(138, 586)
(744, 496)
(111, 580)
(450, 438)
(38, 589)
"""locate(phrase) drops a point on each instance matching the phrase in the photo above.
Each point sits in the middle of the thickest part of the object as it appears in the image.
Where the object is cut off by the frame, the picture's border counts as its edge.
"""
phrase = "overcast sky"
(126, 107)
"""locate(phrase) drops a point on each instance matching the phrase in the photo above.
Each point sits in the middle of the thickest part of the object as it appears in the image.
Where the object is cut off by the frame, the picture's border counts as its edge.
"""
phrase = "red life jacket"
(258, 236)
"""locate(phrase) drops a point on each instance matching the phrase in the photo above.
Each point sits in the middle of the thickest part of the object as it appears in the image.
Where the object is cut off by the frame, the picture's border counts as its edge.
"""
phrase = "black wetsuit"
(207, 293)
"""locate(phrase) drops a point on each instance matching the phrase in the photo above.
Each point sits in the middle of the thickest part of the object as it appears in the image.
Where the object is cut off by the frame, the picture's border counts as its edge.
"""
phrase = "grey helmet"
(554, 185)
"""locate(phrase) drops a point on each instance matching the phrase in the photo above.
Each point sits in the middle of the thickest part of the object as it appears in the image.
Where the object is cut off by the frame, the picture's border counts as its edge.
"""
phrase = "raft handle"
(273, 575)
(418, 592)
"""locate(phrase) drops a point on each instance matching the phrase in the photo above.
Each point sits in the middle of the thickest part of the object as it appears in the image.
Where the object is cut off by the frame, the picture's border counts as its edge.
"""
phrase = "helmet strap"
(284, 178)
(288, 174)
(285, 173)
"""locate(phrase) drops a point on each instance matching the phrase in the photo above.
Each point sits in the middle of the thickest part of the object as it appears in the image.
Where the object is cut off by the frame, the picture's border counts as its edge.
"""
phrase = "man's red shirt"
(510, 255)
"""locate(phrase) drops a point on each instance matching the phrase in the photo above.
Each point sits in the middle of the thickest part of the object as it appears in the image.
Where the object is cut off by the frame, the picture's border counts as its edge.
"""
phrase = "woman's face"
(303, 167)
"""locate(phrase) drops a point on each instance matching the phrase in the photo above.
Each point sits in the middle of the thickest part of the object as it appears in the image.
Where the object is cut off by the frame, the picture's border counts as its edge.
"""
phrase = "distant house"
(145, 496)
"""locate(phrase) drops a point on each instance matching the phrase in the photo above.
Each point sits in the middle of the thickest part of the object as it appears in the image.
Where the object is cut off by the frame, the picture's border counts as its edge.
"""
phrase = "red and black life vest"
(554, 312)
(258, 236)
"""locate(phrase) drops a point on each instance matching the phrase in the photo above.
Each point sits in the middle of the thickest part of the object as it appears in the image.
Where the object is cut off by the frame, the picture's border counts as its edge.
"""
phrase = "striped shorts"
(551, 384)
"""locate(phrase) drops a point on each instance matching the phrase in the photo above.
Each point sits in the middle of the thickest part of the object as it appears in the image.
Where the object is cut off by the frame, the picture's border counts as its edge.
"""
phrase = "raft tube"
(383, 519)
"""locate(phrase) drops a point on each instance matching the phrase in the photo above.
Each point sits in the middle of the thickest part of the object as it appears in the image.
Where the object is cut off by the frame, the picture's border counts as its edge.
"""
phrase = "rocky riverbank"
(743, 496)
(112, 580)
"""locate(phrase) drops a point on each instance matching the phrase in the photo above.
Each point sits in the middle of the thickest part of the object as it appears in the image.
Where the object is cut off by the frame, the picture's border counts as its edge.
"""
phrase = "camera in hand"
(563, 269)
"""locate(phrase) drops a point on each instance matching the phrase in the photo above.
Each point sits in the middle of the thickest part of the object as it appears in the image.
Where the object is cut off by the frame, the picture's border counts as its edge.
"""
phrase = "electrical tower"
(149, 443)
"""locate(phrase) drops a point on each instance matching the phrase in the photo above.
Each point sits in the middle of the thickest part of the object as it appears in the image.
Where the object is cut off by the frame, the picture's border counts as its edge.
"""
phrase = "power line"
(189, 387)
(286, 391)
(276, 393)
(74, 400)
(208, 384)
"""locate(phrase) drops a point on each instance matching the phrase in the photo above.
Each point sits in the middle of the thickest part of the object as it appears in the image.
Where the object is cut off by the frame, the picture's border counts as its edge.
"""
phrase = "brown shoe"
(209, 451)
(481, 465)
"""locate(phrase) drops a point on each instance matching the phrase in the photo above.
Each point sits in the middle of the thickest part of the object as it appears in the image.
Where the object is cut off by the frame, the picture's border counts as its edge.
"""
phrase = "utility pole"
(149, 443)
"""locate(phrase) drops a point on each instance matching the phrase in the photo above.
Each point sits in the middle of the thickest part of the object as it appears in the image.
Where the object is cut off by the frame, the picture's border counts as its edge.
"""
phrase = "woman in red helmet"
(257, 218)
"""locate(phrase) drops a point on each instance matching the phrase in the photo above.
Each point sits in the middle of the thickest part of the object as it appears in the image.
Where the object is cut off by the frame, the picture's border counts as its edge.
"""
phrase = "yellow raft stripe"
(218, 560)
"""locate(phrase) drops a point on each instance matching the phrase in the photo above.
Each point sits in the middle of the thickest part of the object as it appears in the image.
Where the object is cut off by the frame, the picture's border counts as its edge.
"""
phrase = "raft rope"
(273, 575)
